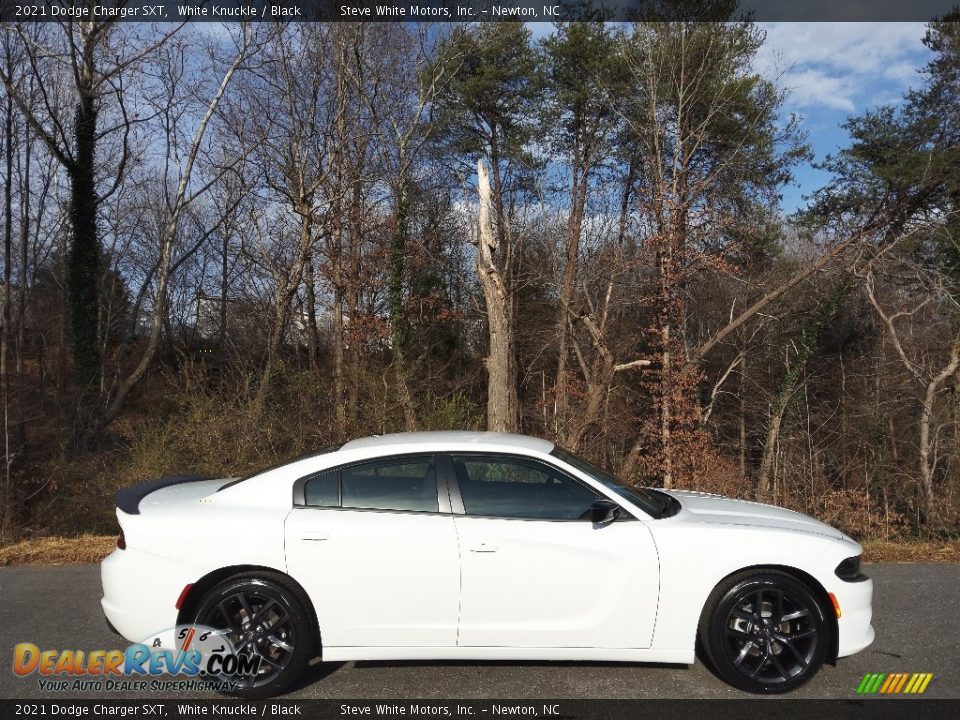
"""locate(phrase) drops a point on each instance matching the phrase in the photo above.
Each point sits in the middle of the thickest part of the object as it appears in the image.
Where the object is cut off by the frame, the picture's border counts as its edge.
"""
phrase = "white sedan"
(482, 546)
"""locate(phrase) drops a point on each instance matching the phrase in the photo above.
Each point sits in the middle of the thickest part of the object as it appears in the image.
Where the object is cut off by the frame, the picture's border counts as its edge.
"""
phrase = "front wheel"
(765, 632)
(264, 618)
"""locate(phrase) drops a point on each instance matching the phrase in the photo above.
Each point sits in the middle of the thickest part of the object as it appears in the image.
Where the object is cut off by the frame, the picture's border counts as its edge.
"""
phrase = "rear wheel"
(765, 632)
(264, 617)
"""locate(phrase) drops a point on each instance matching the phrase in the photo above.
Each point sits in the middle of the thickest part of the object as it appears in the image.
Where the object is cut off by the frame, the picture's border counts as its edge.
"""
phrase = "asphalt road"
(916, 616)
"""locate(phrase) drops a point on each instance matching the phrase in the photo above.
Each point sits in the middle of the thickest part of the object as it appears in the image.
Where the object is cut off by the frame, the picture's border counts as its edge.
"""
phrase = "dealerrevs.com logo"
(202, 655)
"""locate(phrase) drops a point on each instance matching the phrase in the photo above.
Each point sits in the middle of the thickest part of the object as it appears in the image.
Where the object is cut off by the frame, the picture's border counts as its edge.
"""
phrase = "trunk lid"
(166, 493)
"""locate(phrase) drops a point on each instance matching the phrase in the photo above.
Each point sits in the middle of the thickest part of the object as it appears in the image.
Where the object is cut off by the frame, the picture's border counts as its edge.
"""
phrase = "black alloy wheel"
(263, 617)
(766, 632)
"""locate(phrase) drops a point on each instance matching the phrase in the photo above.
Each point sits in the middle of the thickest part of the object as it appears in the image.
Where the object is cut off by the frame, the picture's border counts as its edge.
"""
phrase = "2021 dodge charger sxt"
(482, 546)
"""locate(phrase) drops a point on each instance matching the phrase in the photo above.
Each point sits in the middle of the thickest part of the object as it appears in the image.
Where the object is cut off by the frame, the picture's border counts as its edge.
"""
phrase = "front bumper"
(856, 613)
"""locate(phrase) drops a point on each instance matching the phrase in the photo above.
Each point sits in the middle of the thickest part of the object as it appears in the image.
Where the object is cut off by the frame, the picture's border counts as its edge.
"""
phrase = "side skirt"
(342, 654)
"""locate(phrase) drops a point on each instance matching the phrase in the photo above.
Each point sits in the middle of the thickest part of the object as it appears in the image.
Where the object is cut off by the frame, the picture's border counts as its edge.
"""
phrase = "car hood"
(716, 509)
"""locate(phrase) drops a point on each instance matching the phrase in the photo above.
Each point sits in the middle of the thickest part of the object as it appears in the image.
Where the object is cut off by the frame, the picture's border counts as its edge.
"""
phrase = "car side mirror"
(603, 512)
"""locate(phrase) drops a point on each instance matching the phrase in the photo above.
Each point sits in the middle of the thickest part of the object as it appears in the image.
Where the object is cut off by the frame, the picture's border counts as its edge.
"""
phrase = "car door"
(377, 552)
(535, 571)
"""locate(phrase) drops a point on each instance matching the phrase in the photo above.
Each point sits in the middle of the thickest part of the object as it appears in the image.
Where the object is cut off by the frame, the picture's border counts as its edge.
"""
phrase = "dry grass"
(918, 551)
(58, 550)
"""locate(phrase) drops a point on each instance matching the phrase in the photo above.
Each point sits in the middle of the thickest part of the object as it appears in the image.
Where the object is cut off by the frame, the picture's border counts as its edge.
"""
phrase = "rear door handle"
(483, 547)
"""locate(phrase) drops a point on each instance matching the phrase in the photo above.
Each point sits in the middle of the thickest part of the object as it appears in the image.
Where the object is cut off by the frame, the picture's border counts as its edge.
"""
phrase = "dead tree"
(501, 390)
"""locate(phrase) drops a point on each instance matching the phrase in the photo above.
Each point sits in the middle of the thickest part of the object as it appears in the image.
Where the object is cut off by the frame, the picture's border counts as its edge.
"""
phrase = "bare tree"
(501, 375)
(6, 520)
(584, 67)
(406, 79)
(99, 60)
(705, 136)
(294, 91)
(929, 373)
(184, 196)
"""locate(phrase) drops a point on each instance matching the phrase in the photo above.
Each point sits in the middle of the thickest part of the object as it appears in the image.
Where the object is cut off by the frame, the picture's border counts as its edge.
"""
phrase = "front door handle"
(483, 547)
(316, 537)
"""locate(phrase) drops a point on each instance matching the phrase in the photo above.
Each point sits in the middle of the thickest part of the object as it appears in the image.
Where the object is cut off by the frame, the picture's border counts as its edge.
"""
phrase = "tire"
(745, 644)
(282, 635)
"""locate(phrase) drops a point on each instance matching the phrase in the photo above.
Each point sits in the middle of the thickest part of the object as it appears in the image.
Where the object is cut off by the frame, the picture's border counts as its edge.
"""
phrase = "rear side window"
(408, 484)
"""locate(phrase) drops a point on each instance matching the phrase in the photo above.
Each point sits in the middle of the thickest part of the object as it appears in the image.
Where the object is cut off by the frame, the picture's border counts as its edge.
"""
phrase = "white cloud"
(842, 66)
(811, 88)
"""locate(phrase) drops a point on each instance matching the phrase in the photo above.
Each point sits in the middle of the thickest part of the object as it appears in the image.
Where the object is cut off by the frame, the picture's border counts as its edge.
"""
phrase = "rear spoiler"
(129, 498)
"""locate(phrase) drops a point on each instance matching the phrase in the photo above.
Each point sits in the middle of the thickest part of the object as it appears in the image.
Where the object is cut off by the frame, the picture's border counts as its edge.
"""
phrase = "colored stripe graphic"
(894, 683)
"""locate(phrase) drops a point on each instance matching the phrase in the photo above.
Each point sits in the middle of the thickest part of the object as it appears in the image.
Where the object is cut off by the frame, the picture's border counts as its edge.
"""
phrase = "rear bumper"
(110, 624)
(140, 591)
(856, 608)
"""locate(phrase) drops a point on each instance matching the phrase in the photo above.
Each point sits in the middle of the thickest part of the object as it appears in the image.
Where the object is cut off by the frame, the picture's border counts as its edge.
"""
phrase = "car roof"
(451, 439)
(262, 488)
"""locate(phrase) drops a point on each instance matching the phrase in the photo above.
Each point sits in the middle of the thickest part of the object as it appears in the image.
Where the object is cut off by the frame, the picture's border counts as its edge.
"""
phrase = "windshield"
(653, 502)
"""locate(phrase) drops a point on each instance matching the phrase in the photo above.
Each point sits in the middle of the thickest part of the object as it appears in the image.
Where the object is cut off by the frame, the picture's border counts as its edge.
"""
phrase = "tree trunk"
(6, 521)
(313, 334)
(338, 356)
(926, 471)
(286, 289)
(742, 417)
(578, 194)
(62, 311)
(83, 260)
(22, 289)
(666, 407)
(573, 429)
(354, 353)
(927, 463)
(395, 302)
(809, 336)
(501, 376)
(773, 437)
(224, 288)
(670, 321)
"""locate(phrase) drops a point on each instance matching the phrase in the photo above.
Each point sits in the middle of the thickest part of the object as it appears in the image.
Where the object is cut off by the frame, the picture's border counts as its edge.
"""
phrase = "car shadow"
(321, 670)
(314, 674)
(704, 658)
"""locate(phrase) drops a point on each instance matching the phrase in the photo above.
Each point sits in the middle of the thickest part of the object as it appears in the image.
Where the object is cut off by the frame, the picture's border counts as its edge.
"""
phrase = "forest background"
(227, 245)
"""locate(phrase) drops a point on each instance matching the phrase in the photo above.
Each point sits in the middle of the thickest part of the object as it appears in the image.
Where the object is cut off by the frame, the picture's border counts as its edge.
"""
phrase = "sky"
(830, 72)
(834, 70)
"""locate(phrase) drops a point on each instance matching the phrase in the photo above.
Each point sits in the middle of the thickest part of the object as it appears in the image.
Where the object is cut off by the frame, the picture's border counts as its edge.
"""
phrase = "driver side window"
(508, 487)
